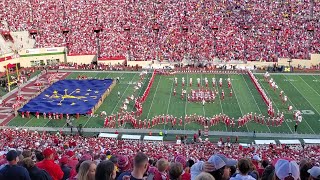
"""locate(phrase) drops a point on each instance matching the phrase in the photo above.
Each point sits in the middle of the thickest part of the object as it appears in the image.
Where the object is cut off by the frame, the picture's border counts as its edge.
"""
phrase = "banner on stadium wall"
(67, 67)
(52, 50)
(32, 51)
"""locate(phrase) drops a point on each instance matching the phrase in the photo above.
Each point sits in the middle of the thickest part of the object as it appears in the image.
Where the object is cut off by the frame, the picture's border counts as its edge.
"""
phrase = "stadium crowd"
(144, 30)
(26, 154)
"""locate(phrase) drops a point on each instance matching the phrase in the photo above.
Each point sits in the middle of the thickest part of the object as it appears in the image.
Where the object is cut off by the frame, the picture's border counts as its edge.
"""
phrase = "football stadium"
(160, 90)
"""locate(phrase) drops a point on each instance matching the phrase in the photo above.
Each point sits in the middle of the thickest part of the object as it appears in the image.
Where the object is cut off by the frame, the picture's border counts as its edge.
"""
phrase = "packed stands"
(93, 148)
(169, 30)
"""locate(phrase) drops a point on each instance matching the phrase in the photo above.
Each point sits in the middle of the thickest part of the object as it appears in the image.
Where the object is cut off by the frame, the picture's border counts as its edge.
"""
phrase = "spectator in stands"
(183, 160)
(39, 156)
(64, 167)
(12, 171)
(286, 168)
(123, 163)
(87, 170)
(204, 176)
(244, 169)
(175, 171)
(140, 166)
(217, 165)
(49, 165)
(314, 173)
(162, 167)
(105, 171)
(34, 172)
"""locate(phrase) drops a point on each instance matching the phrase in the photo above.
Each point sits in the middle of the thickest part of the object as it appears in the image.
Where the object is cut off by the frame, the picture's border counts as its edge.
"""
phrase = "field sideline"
(303, 93)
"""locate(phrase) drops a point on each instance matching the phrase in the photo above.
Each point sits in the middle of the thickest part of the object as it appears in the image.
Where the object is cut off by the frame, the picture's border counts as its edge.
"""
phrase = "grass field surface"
(303, 93)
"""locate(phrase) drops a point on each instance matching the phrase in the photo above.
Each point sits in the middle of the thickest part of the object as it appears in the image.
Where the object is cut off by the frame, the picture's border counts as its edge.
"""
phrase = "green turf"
(303, 93)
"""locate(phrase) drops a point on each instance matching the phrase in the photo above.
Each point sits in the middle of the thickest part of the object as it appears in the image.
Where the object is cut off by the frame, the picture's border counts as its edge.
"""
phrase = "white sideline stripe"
(235, 94)
(153, 97)
(254, 100)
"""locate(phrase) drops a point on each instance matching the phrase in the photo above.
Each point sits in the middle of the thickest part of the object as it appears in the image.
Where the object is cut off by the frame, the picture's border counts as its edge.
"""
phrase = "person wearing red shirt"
(48, 164)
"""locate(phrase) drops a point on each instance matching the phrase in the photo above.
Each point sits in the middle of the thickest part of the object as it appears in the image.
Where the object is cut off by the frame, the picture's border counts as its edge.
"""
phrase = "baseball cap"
(181, 159)
(256, 157)
(220, 160)
(47, 152)
(11, 155)
(314, 172)
(285, 168)
(123, 162)
(64, 160)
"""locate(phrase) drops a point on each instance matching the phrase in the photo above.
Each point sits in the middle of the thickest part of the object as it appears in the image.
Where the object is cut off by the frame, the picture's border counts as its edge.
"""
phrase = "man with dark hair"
(12, 171)
(140, 166)
(244, 169)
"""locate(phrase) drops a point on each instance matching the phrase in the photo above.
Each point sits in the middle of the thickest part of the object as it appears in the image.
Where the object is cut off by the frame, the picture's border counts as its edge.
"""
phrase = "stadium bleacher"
(168, 30)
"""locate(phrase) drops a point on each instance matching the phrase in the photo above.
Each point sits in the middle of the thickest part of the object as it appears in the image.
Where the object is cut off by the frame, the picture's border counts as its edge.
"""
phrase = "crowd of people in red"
(61, 156)
(202, 30)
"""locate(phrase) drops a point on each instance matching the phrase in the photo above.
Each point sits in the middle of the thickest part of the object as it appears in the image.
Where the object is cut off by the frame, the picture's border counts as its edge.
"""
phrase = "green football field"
(303, 93)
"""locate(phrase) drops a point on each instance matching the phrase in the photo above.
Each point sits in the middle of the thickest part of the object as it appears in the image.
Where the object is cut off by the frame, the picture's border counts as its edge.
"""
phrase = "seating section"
(170, 30)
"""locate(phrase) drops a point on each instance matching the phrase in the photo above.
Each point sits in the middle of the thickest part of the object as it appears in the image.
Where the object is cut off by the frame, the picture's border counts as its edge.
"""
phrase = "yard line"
(204, 112)
(153, 97)
(170, 96)
(266, 91)
(309, 85)
(185, 106)
(114, 106)
(235, 94)
(28, 122)
(122, 94)
(255, 101)
(220, 102)
(305, 99)
(164, 125)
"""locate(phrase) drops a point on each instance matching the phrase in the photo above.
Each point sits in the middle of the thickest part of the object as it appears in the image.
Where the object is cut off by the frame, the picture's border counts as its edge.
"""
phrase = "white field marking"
(170, 96)
(185, 106)
(308, 102)
(204, 113)
(216, 85)
(266, 91)
(28, 121)
(254, 100)
(235, 94)
(122, 95)
(164, 125)
(153, 97)
(309, 86)
(305, 99)
(114, 106)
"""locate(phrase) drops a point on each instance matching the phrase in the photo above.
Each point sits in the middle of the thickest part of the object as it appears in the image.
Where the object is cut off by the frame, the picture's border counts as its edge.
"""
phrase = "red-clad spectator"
(49, 165)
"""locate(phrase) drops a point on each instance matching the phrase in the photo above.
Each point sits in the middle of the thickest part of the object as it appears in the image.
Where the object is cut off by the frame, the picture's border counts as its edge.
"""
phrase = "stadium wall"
(85, 59)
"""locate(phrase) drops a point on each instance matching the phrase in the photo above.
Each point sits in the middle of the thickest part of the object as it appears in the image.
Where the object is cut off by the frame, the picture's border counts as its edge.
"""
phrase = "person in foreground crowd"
(175, 171)
(12, 171)
(87, 170)
(49, 165)
(140, 166)
(34, 172)
(106, 171)
(217, 165)
(204, 176)
(244, 169)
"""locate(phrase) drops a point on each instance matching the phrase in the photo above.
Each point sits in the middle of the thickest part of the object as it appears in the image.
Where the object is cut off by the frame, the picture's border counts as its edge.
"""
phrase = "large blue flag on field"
(68, 97)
